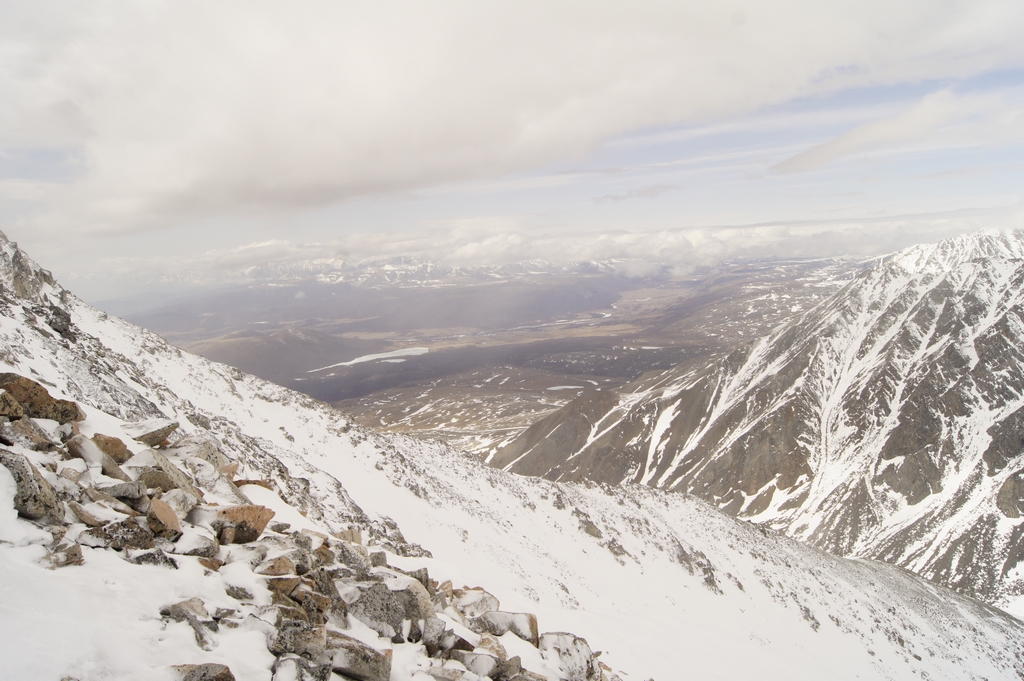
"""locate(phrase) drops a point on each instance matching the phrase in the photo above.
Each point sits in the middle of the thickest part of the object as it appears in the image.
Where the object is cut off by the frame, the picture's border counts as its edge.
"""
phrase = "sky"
(161, 146)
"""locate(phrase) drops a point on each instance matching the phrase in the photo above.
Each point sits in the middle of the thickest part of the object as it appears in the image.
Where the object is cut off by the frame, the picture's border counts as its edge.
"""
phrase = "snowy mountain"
(884, 423)
(385, 557)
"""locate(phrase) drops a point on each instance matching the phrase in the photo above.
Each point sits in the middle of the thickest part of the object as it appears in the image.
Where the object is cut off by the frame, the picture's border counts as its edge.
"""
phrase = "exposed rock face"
(883, 423)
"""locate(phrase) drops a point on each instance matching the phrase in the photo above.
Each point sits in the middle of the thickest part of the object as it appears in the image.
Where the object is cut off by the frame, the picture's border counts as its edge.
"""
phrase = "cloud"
(184, 110)
(502, 240)
(648, 192)
(940, 118)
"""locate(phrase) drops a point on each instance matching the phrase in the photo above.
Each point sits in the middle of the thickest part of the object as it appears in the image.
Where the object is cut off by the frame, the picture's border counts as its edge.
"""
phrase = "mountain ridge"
(665, 580)
(844, 426)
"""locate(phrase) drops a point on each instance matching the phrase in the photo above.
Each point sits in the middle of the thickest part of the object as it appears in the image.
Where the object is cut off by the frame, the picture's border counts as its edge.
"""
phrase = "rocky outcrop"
(36, 402)
(147, 509)
(152, 432)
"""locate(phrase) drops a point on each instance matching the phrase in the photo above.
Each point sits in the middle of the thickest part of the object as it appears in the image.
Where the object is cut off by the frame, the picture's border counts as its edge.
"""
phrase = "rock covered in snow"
(151, 432)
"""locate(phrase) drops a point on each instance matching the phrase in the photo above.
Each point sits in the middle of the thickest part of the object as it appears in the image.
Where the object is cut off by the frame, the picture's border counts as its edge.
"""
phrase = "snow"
(408, 352)
(639, 591)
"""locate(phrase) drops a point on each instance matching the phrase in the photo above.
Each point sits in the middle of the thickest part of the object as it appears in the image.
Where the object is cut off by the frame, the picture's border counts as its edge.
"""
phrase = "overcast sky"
(145, 141)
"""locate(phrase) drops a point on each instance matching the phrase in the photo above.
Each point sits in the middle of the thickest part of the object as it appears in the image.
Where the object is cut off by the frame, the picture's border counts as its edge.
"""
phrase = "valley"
(497, 359)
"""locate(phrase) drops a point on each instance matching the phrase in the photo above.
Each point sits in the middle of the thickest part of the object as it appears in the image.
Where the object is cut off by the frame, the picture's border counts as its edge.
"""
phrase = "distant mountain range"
(886, 422)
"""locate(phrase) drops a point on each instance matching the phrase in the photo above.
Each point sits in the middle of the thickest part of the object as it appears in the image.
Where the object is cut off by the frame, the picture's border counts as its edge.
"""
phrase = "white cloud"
(182, 110)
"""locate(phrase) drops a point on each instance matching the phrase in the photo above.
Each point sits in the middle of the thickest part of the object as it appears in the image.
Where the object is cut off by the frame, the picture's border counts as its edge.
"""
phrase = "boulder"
(352, 535)
(290, 667)
(192, 611)
(204, 672)
(490, 666)
(178, 477)
(83, 448)
(152, 557)
(379, 609)
(125, 534)
(124, 490)
(154, 478)
(112, 447)
(415, 601)
(498, 623)
(28, 434)
(282, 565)
(150, 432)
(84, 515)
(35, 498)
(354, 556)
(300, 638)
(283, 586)
(36, 401)
(432, 635)
(572, 654)
(180, 501)
(354, 659)
(9, 406)
(213, 481)
(474, 602)
(163, 521)
(199, 447)
(241, 524)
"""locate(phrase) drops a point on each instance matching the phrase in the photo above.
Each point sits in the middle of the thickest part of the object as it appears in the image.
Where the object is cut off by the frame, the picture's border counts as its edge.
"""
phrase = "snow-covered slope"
(666, 585)
(884, 423)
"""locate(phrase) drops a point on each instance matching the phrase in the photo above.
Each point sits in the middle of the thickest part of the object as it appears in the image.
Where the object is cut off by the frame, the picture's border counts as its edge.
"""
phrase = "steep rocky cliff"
(884, 423)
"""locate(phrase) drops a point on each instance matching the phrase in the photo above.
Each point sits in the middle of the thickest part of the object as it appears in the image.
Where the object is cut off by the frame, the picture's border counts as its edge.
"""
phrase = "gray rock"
(151, 432)
(125, 534)
(28, 434)
(433, 633)
(354, 556)
(290, 667)
(498, 623)
(125, 490)
(355, 659)
(475, 602)
(152, 557)
(379, 609)
(490, 666)
(178, 477)
(204, 672)
(202, 448)
(415, 602)
(572, 654)
(35, 498)
(300, 638)
(239, 593)
(83, 448)
(191, 611)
